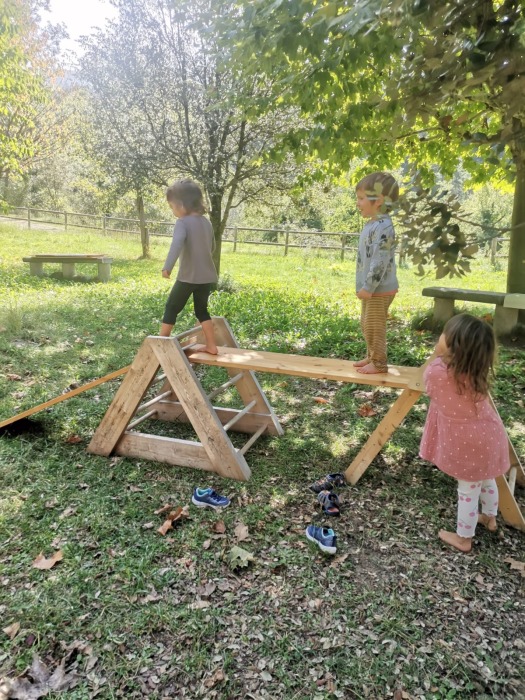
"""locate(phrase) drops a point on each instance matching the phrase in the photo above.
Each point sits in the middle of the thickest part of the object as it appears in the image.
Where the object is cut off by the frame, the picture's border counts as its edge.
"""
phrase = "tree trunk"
(516, 265)
(218, 228)
(144, 233)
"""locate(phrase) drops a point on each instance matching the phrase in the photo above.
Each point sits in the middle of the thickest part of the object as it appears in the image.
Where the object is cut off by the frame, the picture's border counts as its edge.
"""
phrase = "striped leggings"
(374, 313)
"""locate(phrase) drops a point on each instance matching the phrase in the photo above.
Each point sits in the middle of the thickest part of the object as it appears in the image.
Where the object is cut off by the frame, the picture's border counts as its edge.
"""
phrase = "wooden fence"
(237, 236)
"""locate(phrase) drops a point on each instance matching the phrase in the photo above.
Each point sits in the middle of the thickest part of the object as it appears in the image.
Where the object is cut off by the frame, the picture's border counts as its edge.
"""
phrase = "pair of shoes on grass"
(208, 498)
(325, 495)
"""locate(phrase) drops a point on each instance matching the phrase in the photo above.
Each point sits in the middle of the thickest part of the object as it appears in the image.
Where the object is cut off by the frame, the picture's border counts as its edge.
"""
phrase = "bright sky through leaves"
(79, 17)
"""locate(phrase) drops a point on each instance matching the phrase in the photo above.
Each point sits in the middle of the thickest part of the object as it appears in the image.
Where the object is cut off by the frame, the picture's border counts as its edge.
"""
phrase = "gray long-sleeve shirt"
(376, 263)
(193, 242)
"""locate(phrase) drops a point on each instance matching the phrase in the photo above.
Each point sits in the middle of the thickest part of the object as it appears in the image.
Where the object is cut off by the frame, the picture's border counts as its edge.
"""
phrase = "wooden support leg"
(504, 320)
(508, 507)
(381, 434)
(443, 309)
(126, 401)
(104, 272)
(513, 455)
(223, 457)
(68, 270)
(248, 387)
(36, 268)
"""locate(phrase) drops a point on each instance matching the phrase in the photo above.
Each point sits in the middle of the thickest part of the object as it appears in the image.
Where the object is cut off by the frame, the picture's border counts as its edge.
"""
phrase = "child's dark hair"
(471, 350)
(380, 183)
(188, 194)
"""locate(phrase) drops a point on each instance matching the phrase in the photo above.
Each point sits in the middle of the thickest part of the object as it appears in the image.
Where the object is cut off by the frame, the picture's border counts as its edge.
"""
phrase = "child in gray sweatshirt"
(193, 244)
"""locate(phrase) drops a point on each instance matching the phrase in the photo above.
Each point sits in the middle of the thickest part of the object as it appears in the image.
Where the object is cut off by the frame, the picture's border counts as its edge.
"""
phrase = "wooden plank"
(514, 301)
(513, 455)
(217, 444)
(180, 453)
(306, 366)
(249, 423)
(64, 397)
(68, 257)
(474, 295)
(126, 401)
(381, 434)
(508, 506)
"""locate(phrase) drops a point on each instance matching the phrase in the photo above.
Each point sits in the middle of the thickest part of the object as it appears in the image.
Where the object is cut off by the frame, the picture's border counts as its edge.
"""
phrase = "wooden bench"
(507, 306)
(68, 262)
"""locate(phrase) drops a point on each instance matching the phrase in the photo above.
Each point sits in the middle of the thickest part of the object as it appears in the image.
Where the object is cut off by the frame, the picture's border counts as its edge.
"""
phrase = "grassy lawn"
(133, 614)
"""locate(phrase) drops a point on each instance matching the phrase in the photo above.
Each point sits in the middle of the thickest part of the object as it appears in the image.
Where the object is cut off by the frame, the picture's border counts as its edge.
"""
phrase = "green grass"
(394, 610)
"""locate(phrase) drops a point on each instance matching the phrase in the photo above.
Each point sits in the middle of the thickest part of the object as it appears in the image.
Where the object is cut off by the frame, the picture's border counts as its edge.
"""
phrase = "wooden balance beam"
(182, 398)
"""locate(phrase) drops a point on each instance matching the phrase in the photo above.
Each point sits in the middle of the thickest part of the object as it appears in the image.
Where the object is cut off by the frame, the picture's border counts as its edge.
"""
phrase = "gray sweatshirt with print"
(376, 263)
(193, 242)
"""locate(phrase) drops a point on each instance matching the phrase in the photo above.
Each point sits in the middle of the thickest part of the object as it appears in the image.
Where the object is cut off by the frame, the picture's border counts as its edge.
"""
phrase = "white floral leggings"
(469, 494)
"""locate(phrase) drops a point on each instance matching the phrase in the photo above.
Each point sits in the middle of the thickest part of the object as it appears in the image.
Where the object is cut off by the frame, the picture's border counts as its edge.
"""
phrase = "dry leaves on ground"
(12, 630)
(44, 681)
(42, 563)
(174, 516)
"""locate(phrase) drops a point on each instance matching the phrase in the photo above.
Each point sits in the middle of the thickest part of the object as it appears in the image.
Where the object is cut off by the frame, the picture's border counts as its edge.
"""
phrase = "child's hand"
(363, 294)
(166, 274)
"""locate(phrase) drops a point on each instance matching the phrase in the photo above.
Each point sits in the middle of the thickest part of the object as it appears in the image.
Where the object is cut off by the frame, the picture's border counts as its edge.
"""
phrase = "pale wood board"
(126, 401)
(65, 396)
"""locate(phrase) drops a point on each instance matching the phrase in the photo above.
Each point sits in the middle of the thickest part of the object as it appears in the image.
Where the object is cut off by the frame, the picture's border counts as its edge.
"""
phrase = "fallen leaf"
(12, 630)
(163, 509)
(515, 564)
(148, 526)
(219, 527)
(366, 410)
(241, 532)
(45, 681)
(14, 377)
(206, 544)
(135, 489)
(67, 512)
(320, 399)
(42, 563)
(73, 439)
(200, 604)
(166, 525)
(217, 677)
(239, 557)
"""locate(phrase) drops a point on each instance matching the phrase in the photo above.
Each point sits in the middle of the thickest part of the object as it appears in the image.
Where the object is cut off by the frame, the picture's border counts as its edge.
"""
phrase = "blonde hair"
(377, 184)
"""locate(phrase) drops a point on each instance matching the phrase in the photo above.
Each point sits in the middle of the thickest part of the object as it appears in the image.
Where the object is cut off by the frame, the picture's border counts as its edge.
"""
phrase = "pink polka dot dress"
(463, 438)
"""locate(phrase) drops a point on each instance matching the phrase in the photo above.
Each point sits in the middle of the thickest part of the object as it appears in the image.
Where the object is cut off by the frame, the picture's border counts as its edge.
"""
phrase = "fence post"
(65, 221)
(104, 223)
(28, 217)
(343, 243)
(493, 250)
(235, 239)
(286, 241)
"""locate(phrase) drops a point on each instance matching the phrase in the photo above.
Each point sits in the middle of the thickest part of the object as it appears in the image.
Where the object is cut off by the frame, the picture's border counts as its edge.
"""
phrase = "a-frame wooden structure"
(182, 398)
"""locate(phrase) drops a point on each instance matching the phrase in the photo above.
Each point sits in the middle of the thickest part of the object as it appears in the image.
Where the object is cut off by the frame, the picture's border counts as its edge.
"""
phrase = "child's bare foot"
(200, 347)
(488, 521)
(370, 368)
(463, 544)
(362, 363)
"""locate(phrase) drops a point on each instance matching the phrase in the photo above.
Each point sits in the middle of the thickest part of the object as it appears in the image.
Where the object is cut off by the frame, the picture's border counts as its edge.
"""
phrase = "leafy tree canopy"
(430, 82)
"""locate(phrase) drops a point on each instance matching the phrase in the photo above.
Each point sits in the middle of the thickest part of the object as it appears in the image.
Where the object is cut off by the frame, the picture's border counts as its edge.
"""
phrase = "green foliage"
(432, 83)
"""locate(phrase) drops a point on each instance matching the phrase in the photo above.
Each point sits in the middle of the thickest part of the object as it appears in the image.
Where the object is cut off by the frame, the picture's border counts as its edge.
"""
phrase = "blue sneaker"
(203, 498)
(324, 537)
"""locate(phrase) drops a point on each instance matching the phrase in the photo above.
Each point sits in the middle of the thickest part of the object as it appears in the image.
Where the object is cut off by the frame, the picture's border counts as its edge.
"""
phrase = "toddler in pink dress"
(463, 435)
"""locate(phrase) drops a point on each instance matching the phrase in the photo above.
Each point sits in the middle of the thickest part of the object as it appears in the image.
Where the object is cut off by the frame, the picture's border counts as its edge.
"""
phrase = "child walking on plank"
(376, 280)
(463, 435)
(193, 242)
